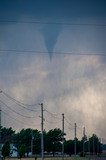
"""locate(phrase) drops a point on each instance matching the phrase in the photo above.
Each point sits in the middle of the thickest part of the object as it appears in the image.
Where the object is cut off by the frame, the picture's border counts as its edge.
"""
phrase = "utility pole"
(0, 133)
(32, 138)
(89, 145)
(83, 140)
(42, 141)
(75, 140)
(93, 145)
(63, 136)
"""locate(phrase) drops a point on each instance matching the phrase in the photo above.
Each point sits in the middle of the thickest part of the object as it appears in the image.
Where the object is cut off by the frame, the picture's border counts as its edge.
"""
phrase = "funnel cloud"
(51, 34)
(73, 84)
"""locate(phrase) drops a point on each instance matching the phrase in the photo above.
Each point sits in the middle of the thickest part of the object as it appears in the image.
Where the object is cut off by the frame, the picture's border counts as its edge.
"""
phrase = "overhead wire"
(13, 117)
(51, 122)
(15, 111)
(68, 121)
(52, 114)
(15, 51)
(22, 105)
(68, 124)
(68, 127)
(7, 95)
(78, 131)
(17, 120)
(55, 115)
(54, 23)
(19, 51)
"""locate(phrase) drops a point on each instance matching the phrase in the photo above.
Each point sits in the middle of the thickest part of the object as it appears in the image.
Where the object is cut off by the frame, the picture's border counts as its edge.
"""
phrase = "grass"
(60, 158)
(51, 158)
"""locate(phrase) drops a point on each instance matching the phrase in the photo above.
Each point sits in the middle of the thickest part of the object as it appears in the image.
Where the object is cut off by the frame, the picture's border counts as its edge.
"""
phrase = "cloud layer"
(70, 84)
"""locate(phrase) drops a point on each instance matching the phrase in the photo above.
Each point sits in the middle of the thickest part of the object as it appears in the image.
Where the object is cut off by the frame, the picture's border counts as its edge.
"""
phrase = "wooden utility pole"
(63, 136)
(75, 141)
(42, 140)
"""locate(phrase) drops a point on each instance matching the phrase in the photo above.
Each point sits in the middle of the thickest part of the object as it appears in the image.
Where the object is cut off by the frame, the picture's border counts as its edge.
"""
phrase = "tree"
(37, 141)
(24, 137)
(7, 134)
(95, 146)
(21, 151)
(6, 150)
(53, 140)
(69, 147)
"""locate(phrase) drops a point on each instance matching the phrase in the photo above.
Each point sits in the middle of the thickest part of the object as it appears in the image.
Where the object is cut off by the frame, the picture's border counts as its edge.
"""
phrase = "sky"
(53, 52)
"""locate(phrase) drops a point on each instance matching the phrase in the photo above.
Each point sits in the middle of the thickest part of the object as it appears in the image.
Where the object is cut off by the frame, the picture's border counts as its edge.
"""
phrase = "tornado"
(50, 34)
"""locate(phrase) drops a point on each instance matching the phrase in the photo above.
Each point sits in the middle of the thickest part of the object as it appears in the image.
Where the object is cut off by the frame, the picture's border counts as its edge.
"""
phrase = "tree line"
(29, 140)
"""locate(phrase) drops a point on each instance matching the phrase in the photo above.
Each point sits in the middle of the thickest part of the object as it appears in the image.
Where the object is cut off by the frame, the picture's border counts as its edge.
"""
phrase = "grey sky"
(73, 84)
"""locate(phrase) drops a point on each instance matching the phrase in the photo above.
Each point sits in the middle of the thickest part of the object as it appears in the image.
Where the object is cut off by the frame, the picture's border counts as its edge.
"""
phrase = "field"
(59, 158)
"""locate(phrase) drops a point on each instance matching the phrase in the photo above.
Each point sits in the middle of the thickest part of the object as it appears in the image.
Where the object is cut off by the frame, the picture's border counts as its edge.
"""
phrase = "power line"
(12, 117)
(68, 122)
(51, 122)
(52, 114)
(54, 23)
(28, 109)
(68, 127)
(17, 120)
(15, 51)
(14, 110)
(22, 104)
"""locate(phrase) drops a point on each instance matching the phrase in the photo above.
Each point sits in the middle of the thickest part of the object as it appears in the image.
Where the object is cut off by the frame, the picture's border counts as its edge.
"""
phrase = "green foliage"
(6, 149)
(95, 146)
(25, 136)
(53, 140)
(70, 146)
(21, 151)
(91, 145)
(7, 134)
(37, 141)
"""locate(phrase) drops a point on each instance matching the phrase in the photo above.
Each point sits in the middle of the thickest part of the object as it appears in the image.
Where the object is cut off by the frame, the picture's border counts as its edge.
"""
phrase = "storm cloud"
(70, 83)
